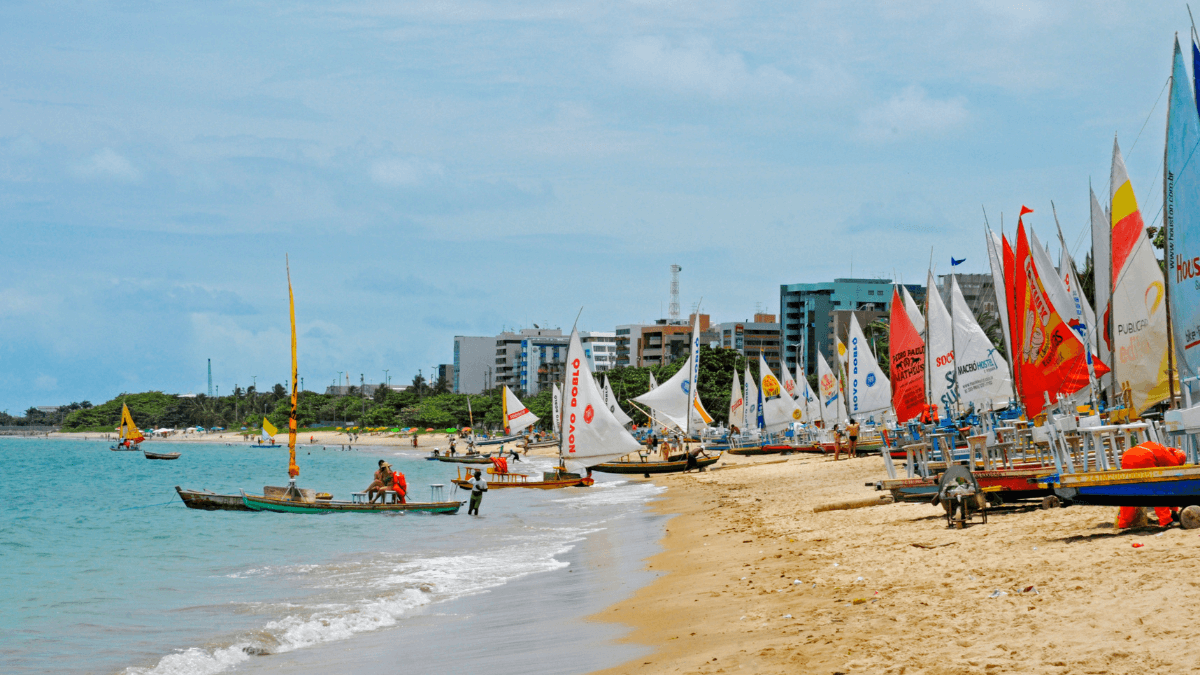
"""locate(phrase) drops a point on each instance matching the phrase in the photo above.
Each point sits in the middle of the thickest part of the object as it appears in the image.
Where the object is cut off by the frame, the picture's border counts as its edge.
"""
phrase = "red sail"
(907, 353)
(1050, 357)
(1010, 293)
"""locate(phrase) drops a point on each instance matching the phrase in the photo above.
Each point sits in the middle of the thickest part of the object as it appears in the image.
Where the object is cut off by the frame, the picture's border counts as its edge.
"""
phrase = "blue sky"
(442, 168)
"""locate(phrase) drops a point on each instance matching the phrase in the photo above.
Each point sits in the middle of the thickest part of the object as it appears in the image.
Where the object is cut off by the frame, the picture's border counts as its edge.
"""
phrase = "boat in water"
(130, 436)
(647, 467)
(160, 455)
(205, 500)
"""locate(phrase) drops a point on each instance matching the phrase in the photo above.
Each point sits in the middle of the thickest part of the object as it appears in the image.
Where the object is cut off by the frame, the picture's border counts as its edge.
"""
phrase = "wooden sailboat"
(295, 500)
(130, 435)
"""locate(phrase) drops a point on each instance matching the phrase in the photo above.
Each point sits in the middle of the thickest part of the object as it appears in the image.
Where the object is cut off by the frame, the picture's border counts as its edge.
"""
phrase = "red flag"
(1049, 357)
(907, 353)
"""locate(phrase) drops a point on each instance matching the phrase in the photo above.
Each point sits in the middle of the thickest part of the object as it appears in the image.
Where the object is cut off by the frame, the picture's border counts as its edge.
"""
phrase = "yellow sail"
(293, 470)
(269, 428)
(128, 428)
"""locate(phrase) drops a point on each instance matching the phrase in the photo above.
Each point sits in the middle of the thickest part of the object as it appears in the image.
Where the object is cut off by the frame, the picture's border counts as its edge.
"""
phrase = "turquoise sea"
(102, 569)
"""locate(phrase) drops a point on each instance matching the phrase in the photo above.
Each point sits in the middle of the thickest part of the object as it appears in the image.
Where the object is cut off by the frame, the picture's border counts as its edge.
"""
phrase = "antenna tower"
(210, 378)
(674, 309)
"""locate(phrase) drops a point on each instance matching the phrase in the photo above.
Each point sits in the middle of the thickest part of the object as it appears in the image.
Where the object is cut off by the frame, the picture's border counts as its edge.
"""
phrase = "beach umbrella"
(451, 431)
(429, 430)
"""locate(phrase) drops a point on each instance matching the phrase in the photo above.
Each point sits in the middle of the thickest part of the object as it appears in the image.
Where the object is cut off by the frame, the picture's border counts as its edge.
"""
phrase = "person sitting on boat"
(1145, 456)
(383, 479)
(478, 487)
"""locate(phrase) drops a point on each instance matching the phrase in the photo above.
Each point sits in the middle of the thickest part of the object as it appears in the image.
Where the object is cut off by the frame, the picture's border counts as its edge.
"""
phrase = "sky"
(445, 168)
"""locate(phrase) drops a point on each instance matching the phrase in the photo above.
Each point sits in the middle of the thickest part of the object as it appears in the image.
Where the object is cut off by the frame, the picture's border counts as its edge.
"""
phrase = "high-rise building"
(474, 364)
(666, 341)
(527, 360)
(808, 314)
(979, 290)
(751, 338)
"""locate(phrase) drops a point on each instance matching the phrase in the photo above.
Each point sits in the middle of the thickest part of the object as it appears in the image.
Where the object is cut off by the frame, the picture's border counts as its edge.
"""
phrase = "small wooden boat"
(122, 448)
(634, 467)
(502, 439)
(757, 450)
(130, 436)
(160, 455)
(559, 478)
(210, 501)
(263, 503)
(266, 445)
(463, 459)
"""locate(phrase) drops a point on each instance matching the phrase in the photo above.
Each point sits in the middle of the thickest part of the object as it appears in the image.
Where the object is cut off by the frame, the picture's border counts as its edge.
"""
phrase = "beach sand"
(889, 589)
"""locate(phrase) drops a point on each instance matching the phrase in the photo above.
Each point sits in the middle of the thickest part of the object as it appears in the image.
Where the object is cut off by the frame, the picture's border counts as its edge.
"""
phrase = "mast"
(1078, 292)
(1167, 226)
(504, 408)
(293, 470)
(954, 349)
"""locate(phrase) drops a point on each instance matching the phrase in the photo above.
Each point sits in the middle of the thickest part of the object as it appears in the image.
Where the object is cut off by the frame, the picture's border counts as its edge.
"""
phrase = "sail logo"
(513, 416)
(790, 386)
(1186, 268)
(770, 386)
(1038, 302)
(1132, 327)
(686, 386)
(870, 379)
(796, 414)
(588, 414)
(574, 404)
(981, 365)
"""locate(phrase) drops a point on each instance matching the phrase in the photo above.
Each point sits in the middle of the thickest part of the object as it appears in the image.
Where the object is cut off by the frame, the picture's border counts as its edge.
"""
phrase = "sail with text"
(735, 402)
(829, 391)
(1183, 221)
(906, 350)
(779, 409)
(591, 435)
(1139, 312)
(751, 413)
(1050, 358)
(806, 398)
(869, 390)
(610, 398)
(939, 352)
(556, 403)
(980, 372)
(516, 415)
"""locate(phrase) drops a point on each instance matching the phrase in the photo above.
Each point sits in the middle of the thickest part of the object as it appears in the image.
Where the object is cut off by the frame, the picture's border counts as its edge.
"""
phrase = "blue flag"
(1196, 74)
(954, 262)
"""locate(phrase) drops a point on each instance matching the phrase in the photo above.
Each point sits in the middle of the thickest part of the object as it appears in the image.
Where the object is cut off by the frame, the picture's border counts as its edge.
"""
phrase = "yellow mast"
(293, 470)
(504, 407)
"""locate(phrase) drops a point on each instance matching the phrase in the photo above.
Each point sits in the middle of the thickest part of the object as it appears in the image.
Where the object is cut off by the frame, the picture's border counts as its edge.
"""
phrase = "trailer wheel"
(1189, 518)
(1050, 502)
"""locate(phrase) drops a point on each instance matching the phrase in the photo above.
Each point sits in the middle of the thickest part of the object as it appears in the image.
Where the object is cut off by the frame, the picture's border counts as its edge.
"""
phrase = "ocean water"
(103, 570)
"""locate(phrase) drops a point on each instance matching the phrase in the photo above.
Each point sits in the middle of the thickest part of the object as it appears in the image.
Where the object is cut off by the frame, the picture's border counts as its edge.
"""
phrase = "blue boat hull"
(1181, 493)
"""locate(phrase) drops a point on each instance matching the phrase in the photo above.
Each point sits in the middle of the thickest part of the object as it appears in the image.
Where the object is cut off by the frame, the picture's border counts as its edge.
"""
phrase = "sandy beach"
(754, 581)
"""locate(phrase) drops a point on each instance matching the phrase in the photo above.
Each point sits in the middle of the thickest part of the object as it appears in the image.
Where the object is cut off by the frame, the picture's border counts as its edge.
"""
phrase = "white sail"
(1102, 267)
(751, 402)
(610, 399)
(829, 392)
(869, 390)
(591, 435)
(1139, 314)
(981, 372)
(673, 398)
(653, 382)
(939, 352)
(516, 415)
(779, 408)
(736, 402)
(807, 399)
(556, 398)
(996, 261)
(914, 313)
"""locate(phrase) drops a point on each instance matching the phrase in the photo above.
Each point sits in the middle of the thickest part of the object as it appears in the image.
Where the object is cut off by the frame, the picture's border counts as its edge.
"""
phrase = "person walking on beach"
(852, 433)
(478, 487)
(453, 445)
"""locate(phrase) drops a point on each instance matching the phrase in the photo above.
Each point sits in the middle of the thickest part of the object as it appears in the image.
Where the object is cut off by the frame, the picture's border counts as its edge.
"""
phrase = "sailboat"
(590, 434)
(556, 406)
(515, 416)
(610, 399)
(130, 435)
(267, 440)
(293, 499)
(676, 402)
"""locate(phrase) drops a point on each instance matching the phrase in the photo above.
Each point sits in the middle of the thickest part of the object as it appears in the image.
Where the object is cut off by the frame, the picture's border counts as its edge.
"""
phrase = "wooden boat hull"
(494, 484)
(756, 450)
(498, 441)
(210, 501)
(115, 448)
(463, 459)
(160, 455)
(636, 468)
(257, 503)
(911, 489)
(1160, 486)
(1013, 484)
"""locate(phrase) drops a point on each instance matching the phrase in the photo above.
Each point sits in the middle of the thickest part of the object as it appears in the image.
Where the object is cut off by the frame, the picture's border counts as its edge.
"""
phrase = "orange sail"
(1049, 357)
(293, 470)
(907, 354)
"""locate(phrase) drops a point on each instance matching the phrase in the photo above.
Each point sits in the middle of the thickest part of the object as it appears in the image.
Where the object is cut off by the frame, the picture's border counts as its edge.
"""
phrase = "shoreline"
(889, 589)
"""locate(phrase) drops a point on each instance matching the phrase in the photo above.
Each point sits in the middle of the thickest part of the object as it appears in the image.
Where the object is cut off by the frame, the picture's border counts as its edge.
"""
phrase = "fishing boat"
(130, 436)
(511, 438)
(160, 455)
(293, 499)
(463, 459)
(591, 434)
(267, 440)
(210, 501)
(646, 467)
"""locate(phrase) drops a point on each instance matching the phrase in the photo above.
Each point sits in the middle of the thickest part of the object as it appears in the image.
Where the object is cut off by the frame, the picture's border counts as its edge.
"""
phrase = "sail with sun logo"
(869, 392)
(1139, 311)
(779, 409)
(591, 433)
(829, 392)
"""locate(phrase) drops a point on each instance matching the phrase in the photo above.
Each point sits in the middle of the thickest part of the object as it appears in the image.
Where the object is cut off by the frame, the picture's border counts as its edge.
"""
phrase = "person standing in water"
(478, 487)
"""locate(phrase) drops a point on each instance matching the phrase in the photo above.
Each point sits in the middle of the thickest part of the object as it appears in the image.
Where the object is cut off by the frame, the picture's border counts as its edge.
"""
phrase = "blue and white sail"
(1182, 218)
(869, 392)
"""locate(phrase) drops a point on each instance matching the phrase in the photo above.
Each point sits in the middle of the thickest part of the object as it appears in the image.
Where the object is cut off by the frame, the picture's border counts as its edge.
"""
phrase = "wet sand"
(889, 589)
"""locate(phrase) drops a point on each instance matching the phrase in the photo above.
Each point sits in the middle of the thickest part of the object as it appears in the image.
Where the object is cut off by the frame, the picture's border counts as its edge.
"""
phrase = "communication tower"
(210, 378)
(673, 311)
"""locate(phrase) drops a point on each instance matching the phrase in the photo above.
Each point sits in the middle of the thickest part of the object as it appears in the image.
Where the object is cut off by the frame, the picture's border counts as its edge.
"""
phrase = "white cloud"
(695, 67)
(911, 113)
(397, 172)
(107, 164)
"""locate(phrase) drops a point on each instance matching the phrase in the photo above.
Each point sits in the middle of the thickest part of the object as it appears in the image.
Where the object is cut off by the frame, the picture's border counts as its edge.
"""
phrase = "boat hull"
(494, 484)
(463, 460)
(257, 503)
(635, 468)
(210, 501)
(756, 450)
(498, 441)
(160, 455)
(1162, 486)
